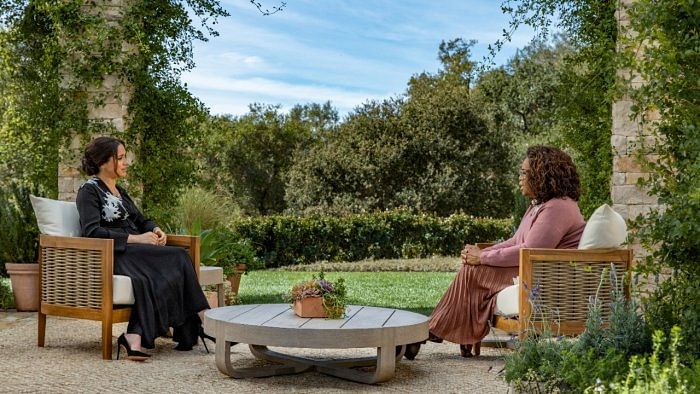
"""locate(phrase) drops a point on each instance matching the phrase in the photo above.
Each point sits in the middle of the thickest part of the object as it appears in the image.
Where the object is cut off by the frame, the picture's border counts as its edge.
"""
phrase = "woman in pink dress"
(548, 177)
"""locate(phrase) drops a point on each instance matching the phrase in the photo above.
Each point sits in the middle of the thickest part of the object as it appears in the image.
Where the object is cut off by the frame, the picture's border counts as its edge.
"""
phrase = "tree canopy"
(247, 157)
(428, 151)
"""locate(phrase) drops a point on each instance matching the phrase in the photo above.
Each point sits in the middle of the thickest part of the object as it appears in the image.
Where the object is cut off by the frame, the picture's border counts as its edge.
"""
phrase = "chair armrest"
(76, 271)
(79, 243)
(573, 255)
(189, 242)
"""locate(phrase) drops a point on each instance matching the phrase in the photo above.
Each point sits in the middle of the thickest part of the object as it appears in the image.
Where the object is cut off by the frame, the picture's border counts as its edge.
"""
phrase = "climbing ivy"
(36, 111)
(586, 83)
(665, 54)
(56, 55)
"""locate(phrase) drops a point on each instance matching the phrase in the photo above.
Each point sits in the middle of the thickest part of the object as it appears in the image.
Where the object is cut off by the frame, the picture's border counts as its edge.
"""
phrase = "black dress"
(166, 290)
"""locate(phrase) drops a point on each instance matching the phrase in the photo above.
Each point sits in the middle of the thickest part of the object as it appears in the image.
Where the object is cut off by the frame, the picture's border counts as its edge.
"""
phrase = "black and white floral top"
(104, 215)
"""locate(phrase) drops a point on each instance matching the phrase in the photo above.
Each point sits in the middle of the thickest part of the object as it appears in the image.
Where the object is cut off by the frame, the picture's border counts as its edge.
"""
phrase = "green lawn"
(413, 291)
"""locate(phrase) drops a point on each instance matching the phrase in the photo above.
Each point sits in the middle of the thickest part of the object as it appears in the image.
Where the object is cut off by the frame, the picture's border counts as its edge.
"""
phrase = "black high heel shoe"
(133, 355)
(203, 335)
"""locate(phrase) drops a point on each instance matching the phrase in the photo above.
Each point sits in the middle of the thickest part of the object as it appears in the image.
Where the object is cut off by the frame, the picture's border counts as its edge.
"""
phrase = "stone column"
(632, 138)
(629, 139)
(111, 107)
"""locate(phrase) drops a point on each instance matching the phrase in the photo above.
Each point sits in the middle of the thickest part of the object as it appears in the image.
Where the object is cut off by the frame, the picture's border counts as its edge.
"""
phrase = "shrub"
(626, 331)
(676, 302)
(427, 150)
(652, 375)
(599, 354)
(286, 240)
(7, 300)
(19, 233)
(669, 107)
(580, 371)
(218, 248)
(202, 208)
(535, 360)
(247, 157)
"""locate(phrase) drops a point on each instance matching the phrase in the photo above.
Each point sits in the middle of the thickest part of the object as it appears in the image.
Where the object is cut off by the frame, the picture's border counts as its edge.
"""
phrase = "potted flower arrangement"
(319, 297)
(19, 246)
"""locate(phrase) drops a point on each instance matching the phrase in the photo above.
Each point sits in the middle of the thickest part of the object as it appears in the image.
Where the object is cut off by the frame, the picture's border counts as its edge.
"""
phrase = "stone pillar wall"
(114, 95)
(628, 138)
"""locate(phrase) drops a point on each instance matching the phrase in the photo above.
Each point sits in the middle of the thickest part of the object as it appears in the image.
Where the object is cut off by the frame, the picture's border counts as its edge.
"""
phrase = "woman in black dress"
(166, 291)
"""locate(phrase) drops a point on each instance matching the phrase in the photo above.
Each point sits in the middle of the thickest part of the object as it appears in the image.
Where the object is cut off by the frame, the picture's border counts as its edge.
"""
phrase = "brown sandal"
(466, 350)
(434, 338)
(412, 350)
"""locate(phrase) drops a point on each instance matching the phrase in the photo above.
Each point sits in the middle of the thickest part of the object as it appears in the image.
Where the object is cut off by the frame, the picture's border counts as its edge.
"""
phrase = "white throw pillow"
(507, 301)
(605, 229)
(56, 217)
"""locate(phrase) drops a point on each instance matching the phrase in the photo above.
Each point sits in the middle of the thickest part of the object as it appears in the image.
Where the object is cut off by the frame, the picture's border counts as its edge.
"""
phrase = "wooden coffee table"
(263, 325)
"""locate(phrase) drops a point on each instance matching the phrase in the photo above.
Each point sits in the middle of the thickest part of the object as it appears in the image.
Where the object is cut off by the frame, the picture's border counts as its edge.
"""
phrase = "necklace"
(114, 192)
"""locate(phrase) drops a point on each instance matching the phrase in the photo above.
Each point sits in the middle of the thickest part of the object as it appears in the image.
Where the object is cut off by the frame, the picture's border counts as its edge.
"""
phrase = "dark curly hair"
(99, 151)
(552, 174)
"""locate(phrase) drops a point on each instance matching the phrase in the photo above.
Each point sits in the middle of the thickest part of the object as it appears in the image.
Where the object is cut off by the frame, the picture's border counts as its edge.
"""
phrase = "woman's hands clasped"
(471, 255)
(162, 238)
(155, 237)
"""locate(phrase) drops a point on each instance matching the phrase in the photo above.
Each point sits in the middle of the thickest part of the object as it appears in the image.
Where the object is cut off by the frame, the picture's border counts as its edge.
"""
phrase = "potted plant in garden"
(219, 247)
(19, 237)
(319, 297)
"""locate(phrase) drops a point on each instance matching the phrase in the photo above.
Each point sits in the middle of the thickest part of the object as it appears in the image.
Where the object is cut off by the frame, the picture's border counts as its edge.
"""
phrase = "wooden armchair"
(76, 281)
(560, 282)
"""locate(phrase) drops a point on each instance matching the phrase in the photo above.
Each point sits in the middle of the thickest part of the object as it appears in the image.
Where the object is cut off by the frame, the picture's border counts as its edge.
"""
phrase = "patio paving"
(71, 362)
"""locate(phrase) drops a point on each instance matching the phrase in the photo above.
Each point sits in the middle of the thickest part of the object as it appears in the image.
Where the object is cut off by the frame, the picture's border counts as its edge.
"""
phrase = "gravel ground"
(71, 363)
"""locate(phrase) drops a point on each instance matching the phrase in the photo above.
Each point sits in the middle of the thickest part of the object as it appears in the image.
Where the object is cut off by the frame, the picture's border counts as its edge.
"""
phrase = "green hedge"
(285, 240)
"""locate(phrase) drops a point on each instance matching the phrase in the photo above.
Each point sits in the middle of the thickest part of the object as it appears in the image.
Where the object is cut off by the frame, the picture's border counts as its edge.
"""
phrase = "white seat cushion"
(122, 292)
(507, 301)
(55, 217)
(210, 275)
(605, 229)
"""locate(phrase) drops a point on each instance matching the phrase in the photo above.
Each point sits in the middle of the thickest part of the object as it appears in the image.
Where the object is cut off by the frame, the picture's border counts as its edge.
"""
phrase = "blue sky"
(344, 51)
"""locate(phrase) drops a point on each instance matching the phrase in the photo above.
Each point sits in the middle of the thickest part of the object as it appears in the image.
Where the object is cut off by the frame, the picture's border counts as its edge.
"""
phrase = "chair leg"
(107, 337)
(41, 320)
(220, 294)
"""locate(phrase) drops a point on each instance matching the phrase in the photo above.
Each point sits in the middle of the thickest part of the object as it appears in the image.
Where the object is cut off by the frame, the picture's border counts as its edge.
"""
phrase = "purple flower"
(325, 285)
(535, 293)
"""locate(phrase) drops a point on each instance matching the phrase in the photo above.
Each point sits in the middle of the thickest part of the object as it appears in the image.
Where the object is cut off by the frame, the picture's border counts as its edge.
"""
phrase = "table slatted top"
(277, 325)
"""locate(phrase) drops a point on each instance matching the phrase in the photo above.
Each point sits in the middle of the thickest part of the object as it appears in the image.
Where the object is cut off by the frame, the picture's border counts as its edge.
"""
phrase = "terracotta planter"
(309, 307)
(235, 278)
(25, 285)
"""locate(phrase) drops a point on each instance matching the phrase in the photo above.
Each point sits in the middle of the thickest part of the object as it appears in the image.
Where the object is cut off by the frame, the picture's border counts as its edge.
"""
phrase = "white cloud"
(236, 57)
(225, 94)
(252, 60)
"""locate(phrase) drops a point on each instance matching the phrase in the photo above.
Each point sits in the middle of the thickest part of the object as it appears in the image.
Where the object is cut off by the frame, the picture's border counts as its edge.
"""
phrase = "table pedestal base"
(384, 363)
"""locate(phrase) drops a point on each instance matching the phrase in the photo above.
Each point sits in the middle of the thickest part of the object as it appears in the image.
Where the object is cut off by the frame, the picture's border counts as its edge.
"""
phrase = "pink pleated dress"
(462, 315)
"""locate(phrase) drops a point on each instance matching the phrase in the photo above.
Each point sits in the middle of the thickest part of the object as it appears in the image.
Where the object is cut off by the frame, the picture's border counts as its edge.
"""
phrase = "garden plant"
(412, 176)
(332, 293)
